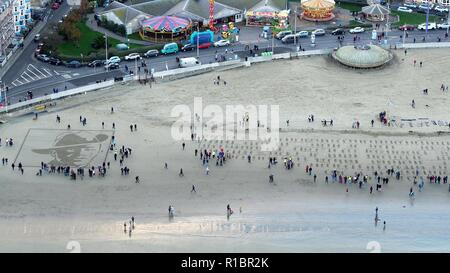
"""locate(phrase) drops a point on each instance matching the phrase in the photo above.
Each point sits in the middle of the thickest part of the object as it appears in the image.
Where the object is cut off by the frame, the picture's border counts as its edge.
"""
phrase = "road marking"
(67, 76)
(34, 74)
(24, 78)
(76, 74)
(48, 72)
(37, 70)
(25, 73)
(56, 72)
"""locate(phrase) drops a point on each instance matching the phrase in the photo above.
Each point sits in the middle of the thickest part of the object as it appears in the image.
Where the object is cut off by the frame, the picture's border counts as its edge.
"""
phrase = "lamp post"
(295, 26)
(106, 50)
(198, 42)
(2, 88)
(273, 38)
(448, 16)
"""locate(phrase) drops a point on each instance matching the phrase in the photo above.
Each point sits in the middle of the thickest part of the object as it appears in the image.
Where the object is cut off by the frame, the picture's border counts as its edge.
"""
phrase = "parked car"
(43, 57)
(55, 6)
(426, 6)
(133, 56)
(356, 30)
(280, 35)
(338, 31)
(37, 37)
(151, 53)
(169, 48)
(318, 32)
(410, 5)
(441, 9)
(55, 61)
(302, 34)
(221, 43)
(113, 59)
(38, 49)
(96, 63)
(404, 9)
(406, 27)
(188, 47)
(443, 26)
(73, 64)
(424, 26)
(112, 66)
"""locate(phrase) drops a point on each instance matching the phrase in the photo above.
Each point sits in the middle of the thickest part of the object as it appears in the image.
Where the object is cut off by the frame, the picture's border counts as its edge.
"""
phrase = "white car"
(133, 56)
(356, 30)
(443, 26)
(404, 9)
(221, 43)
(410, 5)
(113, 59)
(318, 32)
(441, 9)
(424, 26)
(425, 6)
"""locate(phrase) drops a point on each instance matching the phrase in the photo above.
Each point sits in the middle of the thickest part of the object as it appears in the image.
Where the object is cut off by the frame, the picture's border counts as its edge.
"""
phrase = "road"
(29, 74)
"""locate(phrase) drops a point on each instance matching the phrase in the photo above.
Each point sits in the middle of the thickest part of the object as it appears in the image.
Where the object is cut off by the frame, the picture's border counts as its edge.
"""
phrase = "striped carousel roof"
(318, 4)
(165, 23)
(376, 9)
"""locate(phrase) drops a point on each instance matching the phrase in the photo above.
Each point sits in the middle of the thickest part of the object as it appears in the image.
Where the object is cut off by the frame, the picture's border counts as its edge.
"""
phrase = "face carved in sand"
(75, 149)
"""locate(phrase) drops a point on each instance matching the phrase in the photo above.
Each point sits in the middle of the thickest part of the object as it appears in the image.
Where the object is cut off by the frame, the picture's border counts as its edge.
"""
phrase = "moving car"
(43, 57)
(443, 26)
(112, 66)
(404, 9)
(205, 45)
(424, 26)
(188, 62)
(73, 64)
(55, 61)
(280, 35)
(113, 59)
(188, 47)
(441, 9)
(96, 63)
(221, 43)
(133, 56)
(318, 32)
(55, 6)
(302, 34)
(406, 27)
(338, 31)
(356, 30)
(169, 48)
(37, 37)
(151, 53)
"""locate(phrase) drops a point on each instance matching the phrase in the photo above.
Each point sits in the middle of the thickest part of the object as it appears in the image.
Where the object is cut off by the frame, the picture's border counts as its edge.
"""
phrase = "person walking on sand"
(193, 189)
(183, 145)
(125, 227)
(137, 179)
(384, 225)
(207, 170)
(181, 172)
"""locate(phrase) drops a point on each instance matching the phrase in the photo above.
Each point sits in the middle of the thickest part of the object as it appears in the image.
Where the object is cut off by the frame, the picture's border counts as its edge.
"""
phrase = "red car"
(55, 6)
(204, 45)
(407, 27)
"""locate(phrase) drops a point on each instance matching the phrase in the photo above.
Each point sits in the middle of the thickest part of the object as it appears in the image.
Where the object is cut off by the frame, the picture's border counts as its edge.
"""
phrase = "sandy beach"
(295, 214)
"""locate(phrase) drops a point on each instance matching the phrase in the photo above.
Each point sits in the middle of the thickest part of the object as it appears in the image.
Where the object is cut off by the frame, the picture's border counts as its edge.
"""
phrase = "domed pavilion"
(363, 56)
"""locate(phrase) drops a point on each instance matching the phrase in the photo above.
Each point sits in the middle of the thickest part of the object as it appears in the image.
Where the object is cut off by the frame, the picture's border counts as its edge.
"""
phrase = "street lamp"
(106, 49)
(3, 88)
(295, 26)
(198, 41)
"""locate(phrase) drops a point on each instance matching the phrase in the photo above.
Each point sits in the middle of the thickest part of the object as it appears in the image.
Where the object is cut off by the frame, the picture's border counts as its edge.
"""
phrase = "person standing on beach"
(384, 225)
(193, 189)
(183, 145)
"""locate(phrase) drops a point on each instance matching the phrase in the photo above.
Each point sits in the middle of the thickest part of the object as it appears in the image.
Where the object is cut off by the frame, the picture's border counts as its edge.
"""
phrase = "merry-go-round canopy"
(165, 24)
(318, 4)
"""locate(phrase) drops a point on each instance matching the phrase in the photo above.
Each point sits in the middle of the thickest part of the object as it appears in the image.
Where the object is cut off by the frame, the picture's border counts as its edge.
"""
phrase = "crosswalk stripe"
(24, 78)
(34, 74)
(48, 72)
(56, 72)
(37, 70)
(25, 73)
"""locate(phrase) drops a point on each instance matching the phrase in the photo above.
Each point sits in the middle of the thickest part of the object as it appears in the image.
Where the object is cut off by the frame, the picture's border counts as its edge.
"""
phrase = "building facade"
(21, 15)
(6, 25)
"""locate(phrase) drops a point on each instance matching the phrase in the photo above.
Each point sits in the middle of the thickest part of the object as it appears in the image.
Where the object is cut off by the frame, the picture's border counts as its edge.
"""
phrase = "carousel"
(318, 10)
(375, 12)
(165, 28)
